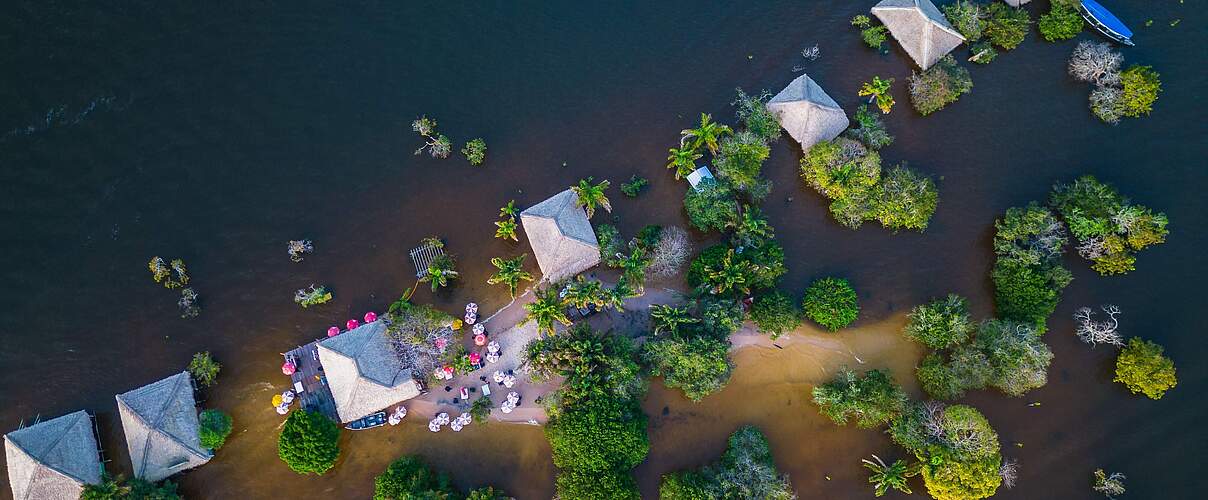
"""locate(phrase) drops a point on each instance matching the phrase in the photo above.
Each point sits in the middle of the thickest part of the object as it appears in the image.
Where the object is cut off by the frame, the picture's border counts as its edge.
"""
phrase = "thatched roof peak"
(807, 113)
(53, 459)
(920, 28)
(364, 372)
(160, 422)
(561, 236)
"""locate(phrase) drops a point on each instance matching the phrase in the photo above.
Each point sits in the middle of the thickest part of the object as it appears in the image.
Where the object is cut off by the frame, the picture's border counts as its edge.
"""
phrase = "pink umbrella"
(441, 343)
(475, 358)
(480, 339)
(370, 317)
(288, 368)
(352, 323)
(333, 331)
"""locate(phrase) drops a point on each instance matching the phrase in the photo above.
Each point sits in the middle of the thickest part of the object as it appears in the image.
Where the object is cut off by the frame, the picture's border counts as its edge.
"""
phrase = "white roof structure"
(807, 113)
(561, 236)
(364, 373)
(160, 422)
(54, 459)
(920, 28)
(699, 175)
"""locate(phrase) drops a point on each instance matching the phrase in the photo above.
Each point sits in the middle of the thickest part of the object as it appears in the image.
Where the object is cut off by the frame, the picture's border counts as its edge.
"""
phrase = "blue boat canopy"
(1109, 20)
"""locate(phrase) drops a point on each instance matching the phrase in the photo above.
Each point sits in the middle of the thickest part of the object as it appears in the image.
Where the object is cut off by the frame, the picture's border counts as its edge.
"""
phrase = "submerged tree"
(878, 90)
(884, 477)
(1098, 332)
(590, 196)
(547, 310)
(669, 319)
(669, 254)
(510, 272)
(213, 428)
(439, 272)
(871, 400)
(941, 323)
(506, 229)
(1110, 485)
(708, 134)
(204, 369)
(475, 151)
(309, 442)
(436, 143)
(682, 160)
(1143, 368)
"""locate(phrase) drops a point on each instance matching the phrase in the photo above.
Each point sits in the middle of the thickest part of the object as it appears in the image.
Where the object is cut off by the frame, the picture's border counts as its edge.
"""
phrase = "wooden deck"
(315, 394)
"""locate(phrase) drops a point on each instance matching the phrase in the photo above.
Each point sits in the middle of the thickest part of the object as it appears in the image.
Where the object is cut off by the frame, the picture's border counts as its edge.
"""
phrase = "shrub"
(314, 295)
(965, 16)
(685, 485)
(603, 485)
(775, 313)
(906, 199)
(697, 364)
(1143, 368)
(475, 151)
(1027, 293)
(861, 21)
(741, 160)
(940, 379)
(410, 478)
(721, 316)
(1061, 23)
(957, 448)
(481, 409)
(871, 132)
(874, 36)
(956, 480)
(309, 442)
(745, 471)
(871, 400)
(601, 434)
(941, 323)
(213, 428)
(983, 52)
(204, 369)
(1018, 359)
(754, 113)
(939, 85)
(1005, 26)
(487, 493)
(831, 302)
(1109, 229)
(838, 168)
(1141, 85)
(634, 186)
(712, 207)
(611, 244)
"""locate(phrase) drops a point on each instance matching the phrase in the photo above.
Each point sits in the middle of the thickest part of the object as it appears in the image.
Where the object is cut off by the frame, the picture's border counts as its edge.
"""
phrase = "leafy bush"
(1028, 277)
(712, 206)
(775, 313)
(1061, 23)
(696, 363)
(204, 369)
(940, 324)
(475, 151)
(214, 427)
(874, 36)
(906, 199)
(831, 302)
(871, 400)
(754, 113)
(1143, 368)
(1005, 26)
(939, 85)
(601, 485)
(634, 186)
(1141, 85)
(958, 449)
(604, 433)
(965, 16)
(745, 471)
(983, 52)
(741, 159)
(410, 478)
(309, 442)
(1109, 229)
(871, 132)
(118, 488)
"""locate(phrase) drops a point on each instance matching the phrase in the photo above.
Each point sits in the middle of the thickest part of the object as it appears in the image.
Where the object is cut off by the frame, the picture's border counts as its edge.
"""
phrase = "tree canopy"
(831, 302)
(1143, 368)
(871, 400)
(309, 442)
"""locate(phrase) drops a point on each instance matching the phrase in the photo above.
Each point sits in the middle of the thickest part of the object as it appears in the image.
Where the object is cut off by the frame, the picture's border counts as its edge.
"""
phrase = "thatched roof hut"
(53, 459)
(920, 28)
(160, 421)
(807, 113)
(561, 236)
(364, 372)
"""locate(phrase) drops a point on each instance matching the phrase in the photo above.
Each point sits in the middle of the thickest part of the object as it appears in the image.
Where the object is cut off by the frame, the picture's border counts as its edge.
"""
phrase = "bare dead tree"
(1096, 63)
(1098, 332)
(1111, 485)
(1093, 248)
(1105, 103)
(1009, 471)
(670, 253)
(933, 420)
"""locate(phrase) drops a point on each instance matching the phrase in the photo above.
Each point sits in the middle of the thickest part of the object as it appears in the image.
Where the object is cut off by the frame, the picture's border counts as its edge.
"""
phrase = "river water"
(217, 131)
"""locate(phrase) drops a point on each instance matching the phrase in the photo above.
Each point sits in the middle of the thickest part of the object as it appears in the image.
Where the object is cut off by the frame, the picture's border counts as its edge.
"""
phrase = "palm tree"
(878, 90)
(439, 272)
(669, 318)
(683, 160)
(505, 229)
(730, 274)
(753, 229)
(508, 211)
(591, 196)
(615, 297)
(547, 310)
(633, 269)
(894, 476)
(511, 271)
(583, 292)
(707, 134)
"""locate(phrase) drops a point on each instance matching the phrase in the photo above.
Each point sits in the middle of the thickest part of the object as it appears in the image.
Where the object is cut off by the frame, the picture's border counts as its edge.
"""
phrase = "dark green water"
(217, 131)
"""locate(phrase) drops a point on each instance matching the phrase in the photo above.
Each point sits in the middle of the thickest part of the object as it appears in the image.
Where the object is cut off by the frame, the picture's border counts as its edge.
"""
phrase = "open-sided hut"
(920, 28)
(160, 422)
(54, 459)
(807, 113)
(364, 372)
(561, 236)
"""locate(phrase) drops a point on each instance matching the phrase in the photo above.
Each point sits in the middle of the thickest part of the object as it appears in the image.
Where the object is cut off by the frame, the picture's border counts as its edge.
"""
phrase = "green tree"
(309, 442)
(583, 292)
(755, 115)
(697, 364)
(508, 211)
(546, 310)
(940, 85)
(487, 493)
(505, 229)
(214, 427)
(1062, 22)
(596, 485)
(965, 16)
(1143, 368)
(884, 477)
(685, 485)
(871, 400)
(410, 478)
(669, 319)
(439, 272)
(746, 471)
(682, 160)
(118, 488)
(711, 206)
(741, 159)
(707, 134)
(1005, 26)
(905, 199)
(775, 313)
(204, 369)
(510, 272)
(475, 151)
(1141, 85)
(874, 36)
(599, 434)
(941, 323)
(730, 273)
(831, 302)
(589, 196)
(871, 132)
(878, 90)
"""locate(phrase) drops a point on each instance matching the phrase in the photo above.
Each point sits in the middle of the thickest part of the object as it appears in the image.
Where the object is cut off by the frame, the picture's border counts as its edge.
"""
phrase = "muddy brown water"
(216, 132)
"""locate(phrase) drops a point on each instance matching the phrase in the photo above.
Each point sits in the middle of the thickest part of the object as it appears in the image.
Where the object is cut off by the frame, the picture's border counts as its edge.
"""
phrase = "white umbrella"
(493, 347)
(433, 426)
(492, 357)
(479, 329)
(513, 397)
(287, 397)
(506, 407)
(455, 426)
(443, 418)
(497, 376)
(283, 409)
(509, 381)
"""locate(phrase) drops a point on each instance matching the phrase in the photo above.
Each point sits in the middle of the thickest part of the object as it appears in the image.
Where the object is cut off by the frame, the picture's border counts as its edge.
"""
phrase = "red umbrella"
(288, 368)
(352, 323)
(333, 331)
